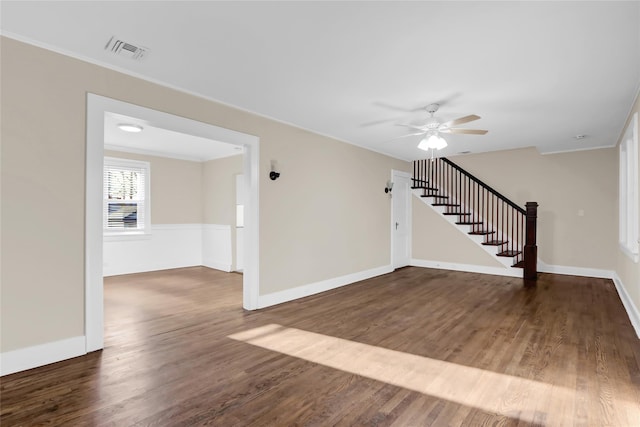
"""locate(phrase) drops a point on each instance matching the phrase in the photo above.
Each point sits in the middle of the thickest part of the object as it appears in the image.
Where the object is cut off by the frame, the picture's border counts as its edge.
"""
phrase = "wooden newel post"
(530, 248)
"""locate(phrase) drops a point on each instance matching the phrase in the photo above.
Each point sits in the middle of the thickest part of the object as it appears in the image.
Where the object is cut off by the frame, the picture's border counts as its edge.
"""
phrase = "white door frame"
(395, 190)
(97, 106)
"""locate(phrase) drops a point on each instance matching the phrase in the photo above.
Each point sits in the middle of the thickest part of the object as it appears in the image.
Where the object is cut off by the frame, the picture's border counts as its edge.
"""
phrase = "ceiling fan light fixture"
(432, 142)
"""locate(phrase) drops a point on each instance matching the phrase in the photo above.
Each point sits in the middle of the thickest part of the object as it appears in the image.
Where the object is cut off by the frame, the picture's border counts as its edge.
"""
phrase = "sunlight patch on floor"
(508, 395)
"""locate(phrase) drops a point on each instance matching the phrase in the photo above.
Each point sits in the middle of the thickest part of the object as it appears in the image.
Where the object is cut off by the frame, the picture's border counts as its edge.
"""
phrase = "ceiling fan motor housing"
(432, 108)
(432, 123)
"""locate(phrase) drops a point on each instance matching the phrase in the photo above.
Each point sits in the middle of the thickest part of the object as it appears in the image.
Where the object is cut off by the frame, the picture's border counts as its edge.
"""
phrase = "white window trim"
(145, 233)
(628, 224)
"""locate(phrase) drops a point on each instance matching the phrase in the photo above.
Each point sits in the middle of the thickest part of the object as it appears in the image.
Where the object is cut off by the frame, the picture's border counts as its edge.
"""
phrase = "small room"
(171, 201)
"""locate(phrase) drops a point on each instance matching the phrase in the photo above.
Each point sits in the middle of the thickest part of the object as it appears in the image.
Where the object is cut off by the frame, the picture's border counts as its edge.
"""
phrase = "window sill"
(126, 235)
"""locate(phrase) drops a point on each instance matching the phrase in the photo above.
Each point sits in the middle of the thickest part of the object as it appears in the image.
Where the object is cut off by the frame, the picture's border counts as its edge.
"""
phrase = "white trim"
(628, 237)
(469, 268)
(574, 271)
(394, 174)
(218, 266)
(223, 227)
(627, 302)
(251, 233)
(93, 257)
(97, 106)
(630, 109)
(40, 355)
(635, 257)
(194, 226)
(571, 150)
(317, 287)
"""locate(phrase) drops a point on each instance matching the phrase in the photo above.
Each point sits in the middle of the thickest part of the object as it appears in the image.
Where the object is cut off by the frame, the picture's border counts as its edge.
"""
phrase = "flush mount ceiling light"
(129, 127)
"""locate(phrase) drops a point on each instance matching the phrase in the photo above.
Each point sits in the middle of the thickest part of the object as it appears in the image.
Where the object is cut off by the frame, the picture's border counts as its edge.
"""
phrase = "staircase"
(503, 228)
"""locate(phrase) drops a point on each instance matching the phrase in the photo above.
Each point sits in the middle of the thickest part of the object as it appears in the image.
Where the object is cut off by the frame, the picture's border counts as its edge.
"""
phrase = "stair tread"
(509, 253)
(491, 238)
(495, 242)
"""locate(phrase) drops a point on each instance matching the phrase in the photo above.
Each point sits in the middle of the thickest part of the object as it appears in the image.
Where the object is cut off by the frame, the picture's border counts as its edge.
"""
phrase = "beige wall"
(628, 271)
(436, 239)
(42, 167)
(325, 217)
(176, 188)
(219, 190)
(562, 184)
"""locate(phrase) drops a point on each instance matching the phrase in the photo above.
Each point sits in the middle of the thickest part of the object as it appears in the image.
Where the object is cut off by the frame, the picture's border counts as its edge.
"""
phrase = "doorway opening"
(98, 107)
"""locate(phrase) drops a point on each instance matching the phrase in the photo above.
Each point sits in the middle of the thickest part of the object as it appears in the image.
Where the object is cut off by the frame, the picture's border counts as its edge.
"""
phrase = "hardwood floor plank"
(562, 353)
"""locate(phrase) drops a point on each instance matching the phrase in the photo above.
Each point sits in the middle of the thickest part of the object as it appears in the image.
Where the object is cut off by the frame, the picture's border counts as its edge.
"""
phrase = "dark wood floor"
(417, 347)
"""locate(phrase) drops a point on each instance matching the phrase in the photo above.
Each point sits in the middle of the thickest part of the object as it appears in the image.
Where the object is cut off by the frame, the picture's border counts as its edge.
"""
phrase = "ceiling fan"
(434, 126)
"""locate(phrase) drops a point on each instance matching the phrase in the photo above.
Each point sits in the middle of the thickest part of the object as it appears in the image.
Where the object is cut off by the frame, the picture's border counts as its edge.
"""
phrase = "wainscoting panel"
(167, 246)
(216, 247)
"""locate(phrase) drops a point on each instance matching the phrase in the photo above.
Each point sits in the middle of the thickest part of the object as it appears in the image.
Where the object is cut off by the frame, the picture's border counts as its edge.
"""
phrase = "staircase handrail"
(489, 188)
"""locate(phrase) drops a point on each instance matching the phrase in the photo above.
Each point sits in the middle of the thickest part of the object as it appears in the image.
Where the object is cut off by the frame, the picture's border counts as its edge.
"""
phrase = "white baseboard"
(218, 266)
(40, 355)
(317, 287)
(574, 271)
(509, 272)
(627, 302)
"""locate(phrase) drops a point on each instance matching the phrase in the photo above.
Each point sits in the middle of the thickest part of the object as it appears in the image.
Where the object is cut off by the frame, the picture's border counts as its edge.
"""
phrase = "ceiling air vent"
(128, 50)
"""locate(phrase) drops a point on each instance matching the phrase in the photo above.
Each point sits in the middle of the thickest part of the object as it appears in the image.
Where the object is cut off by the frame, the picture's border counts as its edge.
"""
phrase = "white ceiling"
(161, 142)
(538, 73)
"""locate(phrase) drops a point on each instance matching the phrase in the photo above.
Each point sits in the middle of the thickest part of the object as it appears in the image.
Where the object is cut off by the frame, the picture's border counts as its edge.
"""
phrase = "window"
(628, 188)
(125, 196)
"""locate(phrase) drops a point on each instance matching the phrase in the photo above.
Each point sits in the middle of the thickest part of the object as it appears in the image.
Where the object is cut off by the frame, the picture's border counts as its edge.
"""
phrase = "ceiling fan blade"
(422, 107)
(379, 122)
(392, 107)
(465, 131)
(420, 128)
(461, 120)
(404, 136)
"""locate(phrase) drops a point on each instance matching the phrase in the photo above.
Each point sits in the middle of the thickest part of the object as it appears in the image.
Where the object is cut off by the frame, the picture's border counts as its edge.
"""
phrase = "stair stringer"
(507, 262)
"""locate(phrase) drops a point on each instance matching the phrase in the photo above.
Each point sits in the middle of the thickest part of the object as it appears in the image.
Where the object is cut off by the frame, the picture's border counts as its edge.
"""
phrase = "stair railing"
(503, 223)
